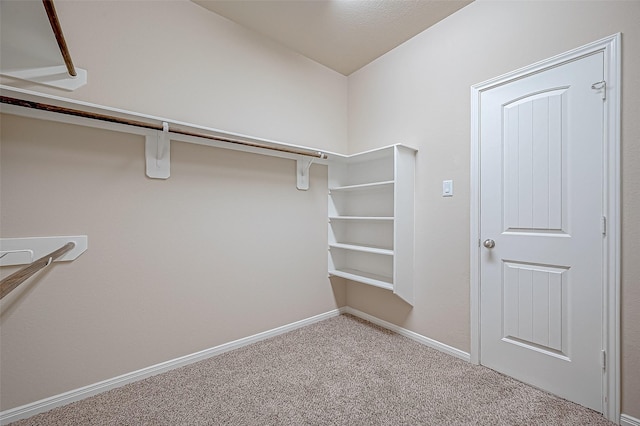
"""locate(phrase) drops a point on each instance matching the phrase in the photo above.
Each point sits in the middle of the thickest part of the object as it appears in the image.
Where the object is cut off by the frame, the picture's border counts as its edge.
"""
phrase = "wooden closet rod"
(57, 31)
(112, 119)
(14, 280)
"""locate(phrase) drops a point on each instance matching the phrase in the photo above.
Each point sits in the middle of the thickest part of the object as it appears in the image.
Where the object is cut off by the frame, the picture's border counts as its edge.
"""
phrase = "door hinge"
(603, 359)
(601, 85)
(603, 225)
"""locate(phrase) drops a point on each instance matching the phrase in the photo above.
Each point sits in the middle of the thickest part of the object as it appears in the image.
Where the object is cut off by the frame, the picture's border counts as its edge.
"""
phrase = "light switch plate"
(447, 188)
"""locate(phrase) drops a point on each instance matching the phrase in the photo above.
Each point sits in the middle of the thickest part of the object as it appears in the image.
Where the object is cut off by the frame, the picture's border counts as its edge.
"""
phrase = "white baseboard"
(65, 398)
(626, 420)
(410, 334)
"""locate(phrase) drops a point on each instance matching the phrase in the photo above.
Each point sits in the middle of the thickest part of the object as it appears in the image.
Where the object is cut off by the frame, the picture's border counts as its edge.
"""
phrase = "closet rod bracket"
(303, 164)
(158, 153)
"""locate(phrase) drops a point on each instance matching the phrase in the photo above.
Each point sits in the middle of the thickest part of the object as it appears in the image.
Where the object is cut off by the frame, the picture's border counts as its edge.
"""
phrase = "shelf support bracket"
(303, 165)
(158, 153)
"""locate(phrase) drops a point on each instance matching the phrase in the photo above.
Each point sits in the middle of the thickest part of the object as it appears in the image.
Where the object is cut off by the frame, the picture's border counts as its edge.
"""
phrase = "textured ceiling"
(343, 35)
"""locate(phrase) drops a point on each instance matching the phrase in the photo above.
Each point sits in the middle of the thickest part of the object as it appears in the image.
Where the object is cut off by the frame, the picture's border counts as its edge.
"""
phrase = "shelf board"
(363, 218)
(363, 186)
(362, 248)
(364, 277)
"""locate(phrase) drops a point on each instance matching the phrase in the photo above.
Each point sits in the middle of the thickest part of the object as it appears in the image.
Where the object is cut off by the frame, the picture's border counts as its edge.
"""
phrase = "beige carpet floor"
(341, 371)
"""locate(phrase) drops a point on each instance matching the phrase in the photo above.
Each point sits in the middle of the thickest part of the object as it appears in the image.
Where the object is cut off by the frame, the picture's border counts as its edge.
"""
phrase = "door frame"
(611, 47)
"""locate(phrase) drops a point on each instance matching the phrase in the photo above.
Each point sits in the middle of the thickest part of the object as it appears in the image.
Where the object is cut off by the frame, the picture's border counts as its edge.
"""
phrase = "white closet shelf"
(371, 215)
(363, 187)
(362, 248)
(363, 218)
(23, 251)
(158, 131)
(364, 277)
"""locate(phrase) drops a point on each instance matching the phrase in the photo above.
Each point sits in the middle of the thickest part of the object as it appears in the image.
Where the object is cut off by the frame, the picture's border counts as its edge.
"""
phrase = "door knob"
(489, 243)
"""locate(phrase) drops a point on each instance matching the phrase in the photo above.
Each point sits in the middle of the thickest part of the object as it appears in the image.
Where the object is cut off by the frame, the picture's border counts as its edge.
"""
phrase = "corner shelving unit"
(371, 216)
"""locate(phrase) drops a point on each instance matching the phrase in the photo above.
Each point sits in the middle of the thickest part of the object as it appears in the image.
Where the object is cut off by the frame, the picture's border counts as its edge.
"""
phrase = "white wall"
(419, 94)
(223, 249)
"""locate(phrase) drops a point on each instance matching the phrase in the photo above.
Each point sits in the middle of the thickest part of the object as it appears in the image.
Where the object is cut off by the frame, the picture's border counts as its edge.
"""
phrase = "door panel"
(534, 307)
(541, 150)
(532, 162)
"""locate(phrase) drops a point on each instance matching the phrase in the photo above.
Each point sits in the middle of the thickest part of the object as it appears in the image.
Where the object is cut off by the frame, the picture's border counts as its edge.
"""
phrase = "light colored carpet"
(342, 371)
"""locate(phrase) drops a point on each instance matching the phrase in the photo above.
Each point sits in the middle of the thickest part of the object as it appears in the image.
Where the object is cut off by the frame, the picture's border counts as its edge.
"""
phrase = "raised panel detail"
(534, 305)
(533, 162)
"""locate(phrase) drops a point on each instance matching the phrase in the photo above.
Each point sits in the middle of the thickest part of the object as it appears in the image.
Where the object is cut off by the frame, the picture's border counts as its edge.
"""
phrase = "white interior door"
(541, 218)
